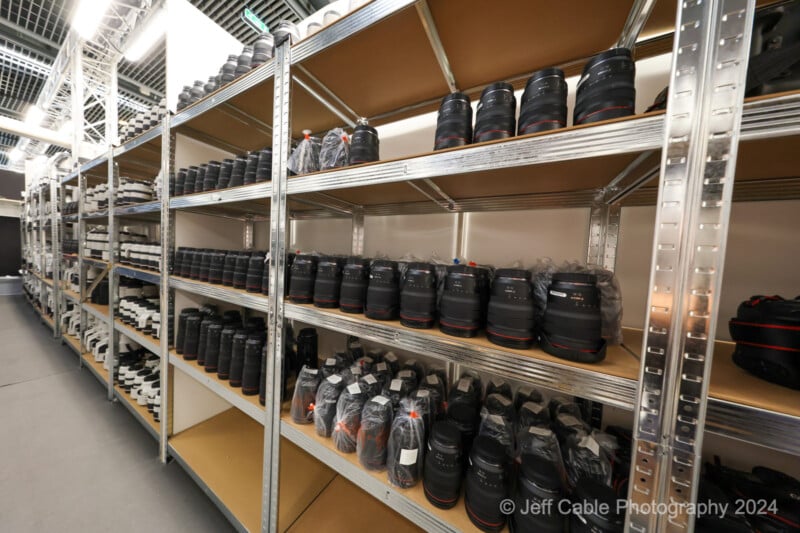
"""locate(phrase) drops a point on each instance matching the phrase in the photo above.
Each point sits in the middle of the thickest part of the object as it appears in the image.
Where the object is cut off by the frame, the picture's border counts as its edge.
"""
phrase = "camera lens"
(240, 270)
(185, 313)
(348, 418)
(454, 122)
(212, 176)
(229, 268)
(527, 393)
(606, 89)
(180, 180)
(373, 434)
(510, 317)
(192, 336)
(197, 260)
(328, 282)
(237, 172)
(495, 116)
(255, 272)
(212, 346)
(251, 372)
(264, 167)
(355, 279)
(177, 260)
(305, 392)
(191, 178)
(434, 383)
(539, 488)
(499, 404)
(225, 168)
(303, 276)
(498, 386)
(203, 342)
(462, 410)
(383, 291)
(186, 263)
(572, 325)
(418, 296)
(465, 296)
(486, 484)
(399, 388)
(250, 169)
(225, 348)
(216, 266)
(364, 144)
(201, 178)
(325, 404)
(406, 450)
(544, 102)
(205, 264)
(262, 49)
(594, 509)
(307, 348)
(237, 358)
(444, 465)
(533, 414)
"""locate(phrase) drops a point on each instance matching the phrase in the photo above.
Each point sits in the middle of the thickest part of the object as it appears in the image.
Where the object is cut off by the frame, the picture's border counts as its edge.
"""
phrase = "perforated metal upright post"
(709, 67)
(81, 264)
(55, 249)
(358, 231)
(113, 278)
(281, 120)
(603, 234)
(167, 245)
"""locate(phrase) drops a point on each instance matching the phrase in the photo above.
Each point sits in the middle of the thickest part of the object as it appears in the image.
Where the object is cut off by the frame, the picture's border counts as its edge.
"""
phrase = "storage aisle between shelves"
(72, 461)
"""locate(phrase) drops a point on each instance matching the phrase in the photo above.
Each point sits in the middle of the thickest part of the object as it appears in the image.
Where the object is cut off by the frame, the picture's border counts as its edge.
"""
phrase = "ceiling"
(33, 31)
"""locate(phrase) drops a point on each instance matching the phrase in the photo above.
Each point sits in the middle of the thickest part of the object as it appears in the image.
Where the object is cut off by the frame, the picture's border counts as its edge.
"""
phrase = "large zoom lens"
(539, 490)
(510, 317)
(606, 89)
(255, 272)
(240, 270)
(454, 122)
(486, 484)
(185, 313)
(544, 102)
(495, 117)
(305, 393)
(348, 418)
(444, 465)
(303, 276)
(364, 144)
(383, 292)
(572, 326)
(373, 435)
(355, 279)
(325, 405)
(594, 509)
(327, 285)
(466, 292)
(406, 452)
(418, 296)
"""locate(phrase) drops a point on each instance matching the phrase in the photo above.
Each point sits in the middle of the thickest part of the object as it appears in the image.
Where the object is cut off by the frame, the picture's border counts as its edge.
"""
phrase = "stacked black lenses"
(444, 465)
(510, 316)
(255, 272)
(216, 266)
(496, 114)
(383, 291)
(237, 358)
(466, 292)
(225, 349)
(355, 279)
(486, 484)
(225, 169)
(418, 296)
(205, 265)
(328, 282)
(364, 144)
(251, 369)
(214, 333)
(211, 178)
(463, 408)
(185, 313)
(192, 336)
(264, 167)
(250, 169)
(191, 178)
(454, 122)
(240, 270)
(544, 102)
(201, 178)
(180, 180)
(606, 89)
(237, 171)
(229, 268)
(539, 488)
(572, 326)
(373, 434)
(302, 279)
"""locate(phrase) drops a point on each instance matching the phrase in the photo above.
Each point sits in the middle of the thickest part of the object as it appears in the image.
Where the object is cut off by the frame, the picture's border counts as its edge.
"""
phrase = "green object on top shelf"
(252, 20)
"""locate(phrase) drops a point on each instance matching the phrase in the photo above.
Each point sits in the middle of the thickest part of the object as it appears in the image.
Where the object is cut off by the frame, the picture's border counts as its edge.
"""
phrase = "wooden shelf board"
(99, 371)
(142, 410)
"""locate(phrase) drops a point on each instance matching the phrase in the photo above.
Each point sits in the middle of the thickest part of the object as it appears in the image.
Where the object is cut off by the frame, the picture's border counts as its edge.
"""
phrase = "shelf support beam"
(426, 17)
(637, 18)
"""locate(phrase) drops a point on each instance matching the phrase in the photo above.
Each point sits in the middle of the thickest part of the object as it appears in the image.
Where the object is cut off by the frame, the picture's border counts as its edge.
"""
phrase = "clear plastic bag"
(373, 434)
(499, 428)
(542, 442)
(335, 150)
(304, 397)
(348, 418)
(499, 386)
(526, 393)
(370, 384)
(325, 407)
(406, 449)
(585, 457)
(532, 414)
(305, 158)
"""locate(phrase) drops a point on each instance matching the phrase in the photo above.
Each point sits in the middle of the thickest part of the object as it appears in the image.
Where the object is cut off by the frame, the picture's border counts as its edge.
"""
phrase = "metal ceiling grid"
(46, 18)
(229, 15)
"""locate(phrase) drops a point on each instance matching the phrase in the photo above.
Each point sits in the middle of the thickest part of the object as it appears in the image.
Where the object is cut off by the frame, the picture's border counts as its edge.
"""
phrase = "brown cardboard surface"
(142, 410)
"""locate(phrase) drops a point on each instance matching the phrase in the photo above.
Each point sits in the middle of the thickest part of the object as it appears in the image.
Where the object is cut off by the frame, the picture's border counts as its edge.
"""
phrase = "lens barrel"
(251, 372)
(383, 291)
(328, 283)
(464, 299)
(373, 434)
(355, 279)
(495, 117)
(325, 405)
(486, 484)
(302, 279)
(255, 272)
(444, 465)
(418, 296)
(606, 89)
(510, 316)
(305, 393)
(544, 102)
(454, 122)
(348, 418)
(364, 145)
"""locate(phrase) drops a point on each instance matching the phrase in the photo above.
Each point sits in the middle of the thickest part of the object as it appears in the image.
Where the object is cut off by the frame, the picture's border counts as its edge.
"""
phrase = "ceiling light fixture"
(87, 17)
(34, 115)
(149, 35)
(15, 155)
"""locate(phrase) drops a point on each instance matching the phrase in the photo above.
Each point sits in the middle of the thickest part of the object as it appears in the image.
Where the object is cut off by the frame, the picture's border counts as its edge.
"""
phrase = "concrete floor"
(72, 461)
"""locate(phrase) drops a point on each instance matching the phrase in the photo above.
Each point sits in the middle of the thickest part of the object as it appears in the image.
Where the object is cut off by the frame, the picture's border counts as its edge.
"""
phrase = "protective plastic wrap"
(305, 158)
(373, 434)
(406, 449)
(329, 367)
(434, 385)
(325, 406)
(499, 428)
(304, 397)
(383, 373)
(426, 407)
(498, 404)
(541, 442)
(366, 363)
(527, 393)
(397, 389)
(532, 414)
(559, 404)
(585, 457)
(391, 359)
(370, 385)
(567, 426)
(415, 366)
(335, 150)
(499, 386)
(352, 374)
(348, 418)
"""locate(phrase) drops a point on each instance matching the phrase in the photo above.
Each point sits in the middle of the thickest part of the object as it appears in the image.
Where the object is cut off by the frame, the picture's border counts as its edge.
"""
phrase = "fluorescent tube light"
(147, 37)
(88, 15)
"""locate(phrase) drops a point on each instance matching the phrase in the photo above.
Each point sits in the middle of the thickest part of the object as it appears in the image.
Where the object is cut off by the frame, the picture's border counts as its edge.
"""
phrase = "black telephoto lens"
(355, 279)
(383, 292)
(205, 264)
(212, 176)
(197, 261)
(539, 488)
(237, 358)
(572, 325)
(305, 393)
(264, 168)
(229, 268)
(185, 313)
(466, 293)
(251, 373)
(463, 410)
(186, 263)
(606, 89)
(510, 317)
(444, 465)
(454, 122)
(418, 296)
(250, 169)
(348, 418)
(544, 102)
(212, 346)
(373, 435)
(405, 457)
(303, 276)
(594, 509)
(237, 172)
(499, 404)
(434, 383)
(178, 261)
(328, 282)
(495, 116)
(191, 178)
(203, 342)
(364, 144)
(201, 178)
(225, 169)
(307, 348)
(180, 180)
(192, 336)
(240, 270)
(325, 404)
(216, 266)
(486, 484)
(225, 348)
(255, 271)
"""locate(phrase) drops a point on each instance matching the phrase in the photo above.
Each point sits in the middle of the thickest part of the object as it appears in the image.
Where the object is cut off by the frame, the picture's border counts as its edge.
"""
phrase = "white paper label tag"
(367, 360)
(569, 420)
(497, 382)
(354, 389)
(335, 379)
(383, 400)
(312, 371)
(423, 393)
(433, 379)
(505, 402)
(381, 367)
(355, 370)
(405, 374)
(463, 384)
(497, 419)
(408, 457)
(542, 432)
(330, 361)
(589, 443)
(391, 357)
(411, 362)
(396, 385)
(524, 391)
(559, 294)
(370, 379)
(533, 407)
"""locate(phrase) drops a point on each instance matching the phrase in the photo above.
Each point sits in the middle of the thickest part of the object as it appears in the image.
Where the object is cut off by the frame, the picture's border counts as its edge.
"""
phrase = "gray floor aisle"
(70, 461)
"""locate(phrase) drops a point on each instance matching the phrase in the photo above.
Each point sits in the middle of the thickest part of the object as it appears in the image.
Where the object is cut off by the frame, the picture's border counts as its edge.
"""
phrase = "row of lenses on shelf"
(605, 91)
(254, 167)
(231, 268)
